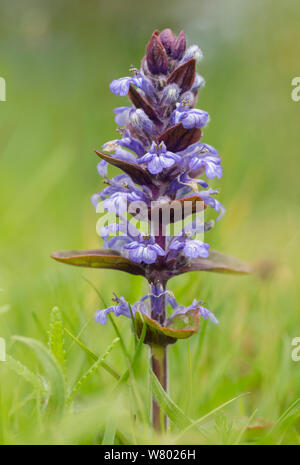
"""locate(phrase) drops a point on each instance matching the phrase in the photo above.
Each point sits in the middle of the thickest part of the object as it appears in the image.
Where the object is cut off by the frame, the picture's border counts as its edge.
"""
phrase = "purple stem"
(158, 302)
(159, 359)
(159, 363)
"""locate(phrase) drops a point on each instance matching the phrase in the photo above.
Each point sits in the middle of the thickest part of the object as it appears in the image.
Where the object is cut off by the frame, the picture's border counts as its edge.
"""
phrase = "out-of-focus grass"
(57, 67)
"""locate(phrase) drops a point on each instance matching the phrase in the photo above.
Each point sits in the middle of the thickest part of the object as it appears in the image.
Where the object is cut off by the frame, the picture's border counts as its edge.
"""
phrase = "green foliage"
(93, 356)
(109, 434)
(56, 338)
(171, 409)
(178, 327)
(98, 259)
(21, 370)
(92, 369)
(52, 372)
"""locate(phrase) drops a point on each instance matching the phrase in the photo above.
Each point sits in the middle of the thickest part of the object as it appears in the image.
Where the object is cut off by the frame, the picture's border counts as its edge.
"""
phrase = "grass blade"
(91, 354)
(244, 429)
(209, 414)
(92, 369)
(110, 433)
(29, 376)
(56, 338)
(52, 370)
(287, 414)
(167, 404)
(138, 350)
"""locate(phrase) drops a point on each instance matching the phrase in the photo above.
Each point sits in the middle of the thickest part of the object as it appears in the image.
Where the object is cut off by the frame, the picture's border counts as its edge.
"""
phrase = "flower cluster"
(164, 187)
(160, 153)
(121, 307)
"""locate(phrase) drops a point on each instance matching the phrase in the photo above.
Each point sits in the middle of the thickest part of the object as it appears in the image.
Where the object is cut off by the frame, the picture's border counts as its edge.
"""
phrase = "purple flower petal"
(159, 158)
(120, 86)
(194, 248)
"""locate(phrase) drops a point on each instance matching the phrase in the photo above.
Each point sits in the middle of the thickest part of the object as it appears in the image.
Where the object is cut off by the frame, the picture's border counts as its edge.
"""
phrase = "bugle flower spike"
(164, 165)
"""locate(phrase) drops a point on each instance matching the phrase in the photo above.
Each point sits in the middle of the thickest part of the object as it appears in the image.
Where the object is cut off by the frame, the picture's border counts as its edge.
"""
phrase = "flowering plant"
(161, 157)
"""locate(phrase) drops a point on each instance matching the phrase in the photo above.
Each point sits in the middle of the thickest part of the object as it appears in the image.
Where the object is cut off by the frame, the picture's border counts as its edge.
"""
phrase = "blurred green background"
(58, 58)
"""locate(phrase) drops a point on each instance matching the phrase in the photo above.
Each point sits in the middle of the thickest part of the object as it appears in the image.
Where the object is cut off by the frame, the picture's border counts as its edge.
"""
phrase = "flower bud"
(156, 56)
(199, 82)
(171, 94)
(193, 52)
(168, 39)
(140, 121)
(179, 46)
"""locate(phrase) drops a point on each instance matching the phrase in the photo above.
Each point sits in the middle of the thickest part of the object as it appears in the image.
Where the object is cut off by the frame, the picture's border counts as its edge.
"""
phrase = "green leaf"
(123, 439)
(217, 262)
(92, 369)
(135, 358)
(91, 354)
(56, 338)
(167, 404)
(291, 412)
(29, 376)
(110, 433)
(52, 371)
(244, 429)
(196, 423)
(179, 327)
(104, 259)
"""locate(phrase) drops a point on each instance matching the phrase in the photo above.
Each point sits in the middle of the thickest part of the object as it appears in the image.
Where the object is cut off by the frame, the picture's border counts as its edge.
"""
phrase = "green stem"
(159, 362)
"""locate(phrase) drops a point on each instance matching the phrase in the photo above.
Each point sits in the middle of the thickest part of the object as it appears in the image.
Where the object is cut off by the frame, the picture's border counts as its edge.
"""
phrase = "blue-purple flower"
(158, 158)
(192, 118)
(196, 305)
(212, 202)
(144, 250)
(121, 86)
(121, 307)
(210, 163)
(102, 168)
(122, 115)
(126, 141)
(192, 248)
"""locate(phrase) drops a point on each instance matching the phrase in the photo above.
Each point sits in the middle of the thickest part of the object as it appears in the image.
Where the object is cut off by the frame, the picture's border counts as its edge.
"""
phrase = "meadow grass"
(68, 380)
